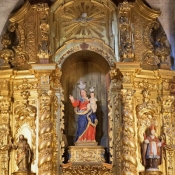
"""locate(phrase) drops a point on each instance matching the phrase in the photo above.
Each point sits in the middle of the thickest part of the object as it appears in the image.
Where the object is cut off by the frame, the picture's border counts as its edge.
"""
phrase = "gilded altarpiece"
(140, 85)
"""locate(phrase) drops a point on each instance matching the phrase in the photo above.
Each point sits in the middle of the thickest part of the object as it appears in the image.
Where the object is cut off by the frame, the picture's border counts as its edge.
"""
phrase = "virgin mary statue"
(87, 120)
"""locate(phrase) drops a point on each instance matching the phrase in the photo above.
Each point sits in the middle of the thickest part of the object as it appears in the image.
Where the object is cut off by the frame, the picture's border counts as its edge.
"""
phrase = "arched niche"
(92, 68)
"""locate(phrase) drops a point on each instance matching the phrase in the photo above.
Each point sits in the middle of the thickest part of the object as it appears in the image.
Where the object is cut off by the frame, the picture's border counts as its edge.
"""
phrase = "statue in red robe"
(152, 151)
(87, 120)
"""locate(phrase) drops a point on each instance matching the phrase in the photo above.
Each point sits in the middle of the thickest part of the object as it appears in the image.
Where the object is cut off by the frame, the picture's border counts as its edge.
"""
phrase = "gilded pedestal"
(23, 173)
(86, 154)
(87, 159)
(151, 173)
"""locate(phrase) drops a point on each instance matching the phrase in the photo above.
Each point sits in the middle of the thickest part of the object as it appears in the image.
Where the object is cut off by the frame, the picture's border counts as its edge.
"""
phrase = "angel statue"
(85, 108)
(152, 150)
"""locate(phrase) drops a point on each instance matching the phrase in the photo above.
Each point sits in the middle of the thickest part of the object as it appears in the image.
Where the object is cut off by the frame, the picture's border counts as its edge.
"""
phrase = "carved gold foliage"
(127, 51)
(4, 131)
(138, 37)
(25, 85)
(168, 121)
(114, 122)
(68, 52)
(102, 52)
(20, 58)
(166, 85)
(149, 58)
(6, 54)
(45, 129)
(44, 51)
(85, 19)
(147, 30)
(117, 135)
(105, 51)
(56, 78)
(30, 39)
(86, 154)
(42, 9)
(21, 35)
(167, 104)
(110, 118)
(4, 84)
(146, 114)
(113, 73)
(145, 84)
(127, 77)
(58, 118)
(89, 169)
(4, 159)
(169, 131)
(151, 173)
(25, 115)
(5, 103)
(128, 140)
(125, 7)
(12, 27)
(44, 27)
(162, 50)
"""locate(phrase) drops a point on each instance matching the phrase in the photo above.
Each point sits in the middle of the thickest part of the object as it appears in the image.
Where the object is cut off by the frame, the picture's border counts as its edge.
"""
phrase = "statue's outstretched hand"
(71, 98)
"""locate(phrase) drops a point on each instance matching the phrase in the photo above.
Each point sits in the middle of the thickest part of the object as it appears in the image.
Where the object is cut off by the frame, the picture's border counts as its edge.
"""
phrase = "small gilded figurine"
(23, 154)
(87, 120)
(152, 151)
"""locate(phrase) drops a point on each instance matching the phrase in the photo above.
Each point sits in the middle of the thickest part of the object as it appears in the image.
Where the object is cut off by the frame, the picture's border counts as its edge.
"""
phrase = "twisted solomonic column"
(129, 163)
(45, 162)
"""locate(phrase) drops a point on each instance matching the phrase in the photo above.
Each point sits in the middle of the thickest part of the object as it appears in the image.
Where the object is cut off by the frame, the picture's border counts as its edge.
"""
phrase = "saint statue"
(23, 154)
(152, 151)
(85, 108)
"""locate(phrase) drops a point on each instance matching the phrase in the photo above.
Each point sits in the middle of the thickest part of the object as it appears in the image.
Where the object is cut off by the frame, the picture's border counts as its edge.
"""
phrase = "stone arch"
(95, 45)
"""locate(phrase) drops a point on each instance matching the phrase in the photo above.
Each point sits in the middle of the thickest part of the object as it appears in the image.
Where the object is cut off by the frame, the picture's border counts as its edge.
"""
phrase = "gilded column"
(114, 118)
(168, 129)
(129, 164)
(5, 133)
(58, 128)
(45, 119)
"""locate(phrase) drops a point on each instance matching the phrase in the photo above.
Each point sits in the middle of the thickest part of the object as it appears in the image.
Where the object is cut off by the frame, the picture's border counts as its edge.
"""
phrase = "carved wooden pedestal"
(23, 173)
(86, 154)
(86, 160)
(151, 173)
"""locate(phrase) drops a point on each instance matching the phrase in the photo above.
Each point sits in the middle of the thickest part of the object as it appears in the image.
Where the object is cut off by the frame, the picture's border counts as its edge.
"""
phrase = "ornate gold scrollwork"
(145, 84)
(6, 54)
(147, 33)
(126, 43)
(89, 169)
(25, 114)
(150, 60)
(169, 131)
(5, 133)
(128, 140)
(145, 113)
(162, 50)
(21, 57)
(45, 134)
(44, 52)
